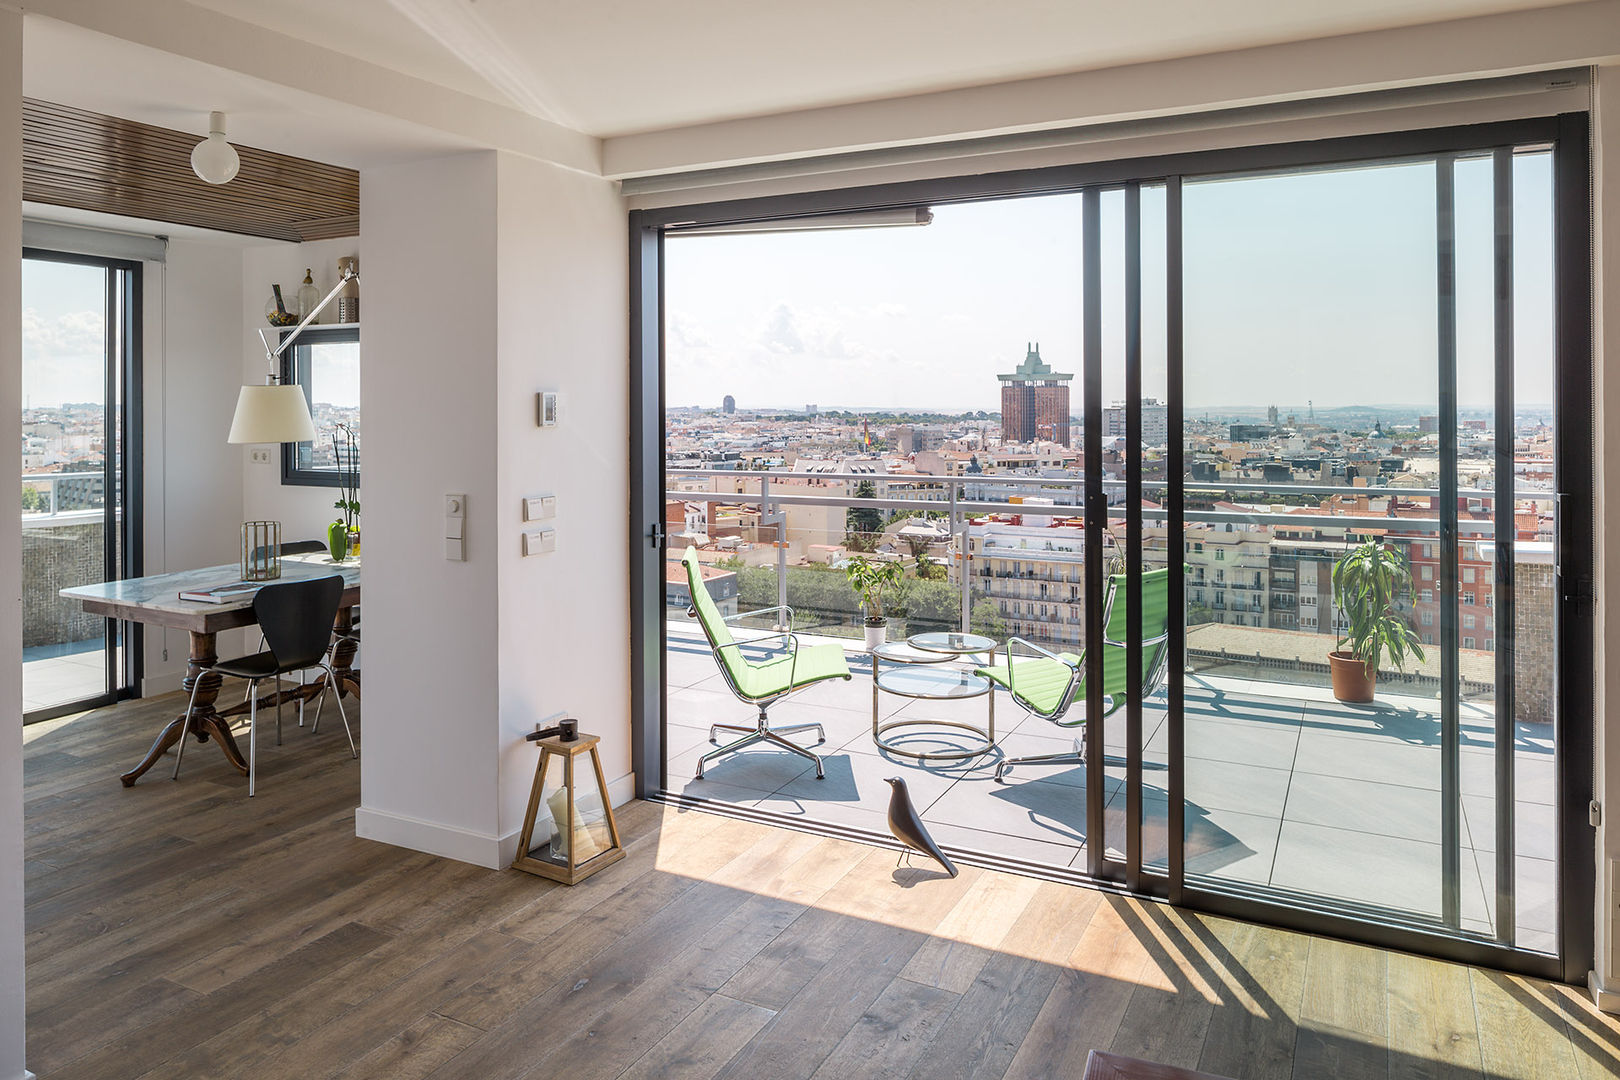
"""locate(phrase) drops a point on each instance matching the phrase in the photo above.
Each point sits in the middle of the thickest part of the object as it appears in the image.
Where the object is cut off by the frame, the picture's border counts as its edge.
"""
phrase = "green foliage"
(1198, 614)
(870, 578)
(33, 500)
(863, 524)
(1367, 580)
(987, 620)
(929, 568)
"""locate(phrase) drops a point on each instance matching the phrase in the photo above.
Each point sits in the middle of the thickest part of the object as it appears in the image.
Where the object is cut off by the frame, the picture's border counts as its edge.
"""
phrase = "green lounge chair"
(761, 682)
(1046, 684)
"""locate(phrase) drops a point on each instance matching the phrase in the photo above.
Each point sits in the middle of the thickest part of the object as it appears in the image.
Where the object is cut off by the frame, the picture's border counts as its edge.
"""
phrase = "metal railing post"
(781, 543)
(966, 550)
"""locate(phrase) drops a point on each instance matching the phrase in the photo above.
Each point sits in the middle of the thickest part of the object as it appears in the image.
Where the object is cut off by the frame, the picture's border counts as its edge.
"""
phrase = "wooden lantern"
(584, 837)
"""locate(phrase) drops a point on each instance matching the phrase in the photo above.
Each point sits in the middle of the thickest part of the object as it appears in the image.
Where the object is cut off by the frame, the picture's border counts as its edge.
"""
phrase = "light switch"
(539, 507)
(539, 541)
(455, 532)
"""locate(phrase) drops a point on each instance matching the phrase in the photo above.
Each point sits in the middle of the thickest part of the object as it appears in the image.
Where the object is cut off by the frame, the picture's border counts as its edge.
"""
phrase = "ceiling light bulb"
(214, 160)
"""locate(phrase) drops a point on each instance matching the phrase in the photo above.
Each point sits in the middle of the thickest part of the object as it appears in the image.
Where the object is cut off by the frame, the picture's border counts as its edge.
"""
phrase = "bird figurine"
(907, 825)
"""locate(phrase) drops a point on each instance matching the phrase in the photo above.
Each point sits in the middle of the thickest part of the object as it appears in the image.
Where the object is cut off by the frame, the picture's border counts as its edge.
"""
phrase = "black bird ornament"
(908, 828)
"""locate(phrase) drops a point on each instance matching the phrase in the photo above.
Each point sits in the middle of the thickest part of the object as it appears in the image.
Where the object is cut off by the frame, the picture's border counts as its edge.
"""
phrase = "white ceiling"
(613, 67)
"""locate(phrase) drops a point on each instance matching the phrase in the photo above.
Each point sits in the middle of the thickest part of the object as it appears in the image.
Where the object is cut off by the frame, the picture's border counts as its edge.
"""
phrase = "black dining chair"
(296, 617)
(295, 547)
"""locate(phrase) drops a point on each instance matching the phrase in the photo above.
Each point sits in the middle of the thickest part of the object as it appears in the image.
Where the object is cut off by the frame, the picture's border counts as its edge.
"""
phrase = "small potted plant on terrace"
(1367, 579)
(869, 577)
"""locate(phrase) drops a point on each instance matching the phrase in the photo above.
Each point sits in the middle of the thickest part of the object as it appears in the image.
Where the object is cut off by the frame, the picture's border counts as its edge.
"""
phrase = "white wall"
(430, 769)
(1606, 247)
(11, 846)
(304, 512)
(564, 634)
(463, 659)
(191, 375)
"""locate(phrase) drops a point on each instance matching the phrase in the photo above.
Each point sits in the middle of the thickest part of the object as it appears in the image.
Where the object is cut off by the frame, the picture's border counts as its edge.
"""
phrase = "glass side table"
(915, 673)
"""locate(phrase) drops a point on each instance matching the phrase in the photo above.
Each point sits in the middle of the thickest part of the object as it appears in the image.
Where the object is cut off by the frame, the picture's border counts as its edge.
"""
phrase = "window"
(1468, 622)
(325, 361)
(1427, 596)
(1428, 573)
(1468, 575)
(1468, 599)
(1428, 618)
(1220, 555)
(1468, 643)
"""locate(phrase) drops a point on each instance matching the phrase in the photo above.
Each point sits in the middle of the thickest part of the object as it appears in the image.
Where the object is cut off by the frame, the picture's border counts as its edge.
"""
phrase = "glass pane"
(64, 497)
(331, 372)
(1532, 641)
(1311, 396)
(828, 392)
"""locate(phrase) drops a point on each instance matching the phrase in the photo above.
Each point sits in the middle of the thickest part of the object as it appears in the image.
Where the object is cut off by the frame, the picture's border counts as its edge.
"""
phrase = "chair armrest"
(1145, 641)
(1007, 650)
(762, 611)
(789, 639)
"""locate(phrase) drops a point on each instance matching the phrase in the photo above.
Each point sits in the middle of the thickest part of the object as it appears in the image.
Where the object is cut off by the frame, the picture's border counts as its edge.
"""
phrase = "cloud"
(73, 334)
(781, 332)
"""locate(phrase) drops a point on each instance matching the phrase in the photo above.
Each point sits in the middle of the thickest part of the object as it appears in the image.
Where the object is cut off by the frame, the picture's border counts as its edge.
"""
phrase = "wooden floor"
(177, 930)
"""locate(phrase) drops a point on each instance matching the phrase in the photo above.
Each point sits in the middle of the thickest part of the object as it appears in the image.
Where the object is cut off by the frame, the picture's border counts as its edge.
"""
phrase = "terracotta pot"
(1352, 681)
(876, 635)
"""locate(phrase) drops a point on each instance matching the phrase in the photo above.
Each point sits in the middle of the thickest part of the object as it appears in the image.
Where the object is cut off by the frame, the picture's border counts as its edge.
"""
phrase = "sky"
(1315, 287)
(64, 341)
(1307, 287)
(64, 331)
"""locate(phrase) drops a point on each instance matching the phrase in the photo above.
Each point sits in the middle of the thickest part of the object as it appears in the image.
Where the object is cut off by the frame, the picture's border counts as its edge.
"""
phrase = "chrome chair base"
(1077, 756)
(763, 732)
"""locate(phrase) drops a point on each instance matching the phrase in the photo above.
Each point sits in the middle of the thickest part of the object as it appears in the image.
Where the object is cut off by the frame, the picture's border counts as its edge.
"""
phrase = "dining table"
(154, 600)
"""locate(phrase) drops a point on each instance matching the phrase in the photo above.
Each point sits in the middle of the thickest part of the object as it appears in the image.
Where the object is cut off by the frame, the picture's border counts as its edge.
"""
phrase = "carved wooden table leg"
(203, 720)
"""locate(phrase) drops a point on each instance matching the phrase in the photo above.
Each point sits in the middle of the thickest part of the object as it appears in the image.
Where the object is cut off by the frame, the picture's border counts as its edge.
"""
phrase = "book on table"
(221, 594)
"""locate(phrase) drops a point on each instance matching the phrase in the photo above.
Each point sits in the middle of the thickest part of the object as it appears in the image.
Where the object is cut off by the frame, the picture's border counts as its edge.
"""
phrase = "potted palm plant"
(1367, 580)
(869, 577)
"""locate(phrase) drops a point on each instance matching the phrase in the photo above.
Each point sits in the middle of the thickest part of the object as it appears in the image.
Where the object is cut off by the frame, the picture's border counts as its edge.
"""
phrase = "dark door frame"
(124, 651)
(1567, 135)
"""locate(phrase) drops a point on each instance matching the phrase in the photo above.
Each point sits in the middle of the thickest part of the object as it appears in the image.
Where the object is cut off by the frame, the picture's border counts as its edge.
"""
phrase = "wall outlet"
(259, 455)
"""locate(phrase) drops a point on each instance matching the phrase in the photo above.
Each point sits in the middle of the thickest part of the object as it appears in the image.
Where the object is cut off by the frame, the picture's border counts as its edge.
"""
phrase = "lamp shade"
(271, 414)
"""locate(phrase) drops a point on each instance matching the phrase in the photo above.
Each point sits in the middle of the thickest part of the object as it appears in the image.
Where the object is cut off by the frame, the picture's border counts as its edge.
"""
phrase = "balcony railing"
(973, 579)
(54, 495)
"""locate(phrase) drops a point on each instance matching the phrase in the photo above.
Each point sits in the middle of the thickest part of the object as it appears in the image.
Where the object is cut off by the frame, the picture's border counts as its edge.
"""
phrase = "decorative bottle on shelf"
(308, 295)
(349, 298)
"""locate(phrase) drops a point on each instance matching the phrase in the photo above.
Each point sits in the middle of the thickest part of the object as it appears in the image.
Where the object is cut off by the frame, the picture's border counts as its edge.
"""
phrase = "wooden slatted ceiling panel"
(91, 161)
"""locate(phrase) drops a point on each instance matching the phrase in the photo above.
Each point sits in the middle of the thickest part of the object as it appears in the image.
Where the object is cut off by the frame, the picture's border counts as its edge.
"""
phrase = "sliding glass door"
(80, 475)
(1312, 531)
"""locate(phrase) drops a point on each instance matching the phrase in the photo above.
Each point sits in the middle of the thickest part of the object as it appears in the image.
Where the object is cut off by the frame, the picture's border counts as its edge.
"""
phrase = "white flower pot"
(876, 635)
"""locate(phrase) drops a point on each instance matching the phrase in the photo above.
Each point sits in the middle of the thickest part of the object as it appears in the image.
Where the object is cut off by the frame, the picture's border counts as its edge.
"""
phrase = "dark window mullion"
(1133, 536)
(1096, 517)
(1506, 533)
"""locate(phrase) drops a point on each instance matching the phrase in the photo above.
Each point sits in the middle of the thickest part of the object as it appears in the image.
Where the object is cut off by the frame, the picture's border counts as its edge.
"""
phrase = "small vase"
(337, 541)
(876, 635)
(354, 541)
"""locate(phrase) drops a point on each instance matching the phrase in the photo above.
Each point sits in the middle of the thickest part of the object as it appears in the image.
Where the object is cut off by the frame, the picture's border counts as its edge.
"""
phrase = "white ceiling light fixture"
(214, 160)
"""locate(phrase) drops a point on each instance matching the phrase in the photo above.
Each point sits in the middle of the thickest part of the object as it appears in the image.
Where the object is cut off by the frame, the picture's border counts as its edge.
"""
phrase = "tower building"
(1035, 401)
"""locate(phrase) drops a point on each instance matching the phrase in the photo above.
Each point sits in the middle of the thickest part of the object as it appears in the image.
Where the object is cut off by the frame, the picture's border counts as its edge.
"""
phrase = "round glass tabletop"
(951, 642)
(898, 652)
(934, 683)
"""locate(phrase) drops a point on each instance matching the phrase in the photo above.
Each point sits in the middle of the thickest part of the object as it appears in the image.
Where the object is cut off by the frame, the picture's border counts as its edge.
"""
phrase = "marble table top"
(156, 599)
